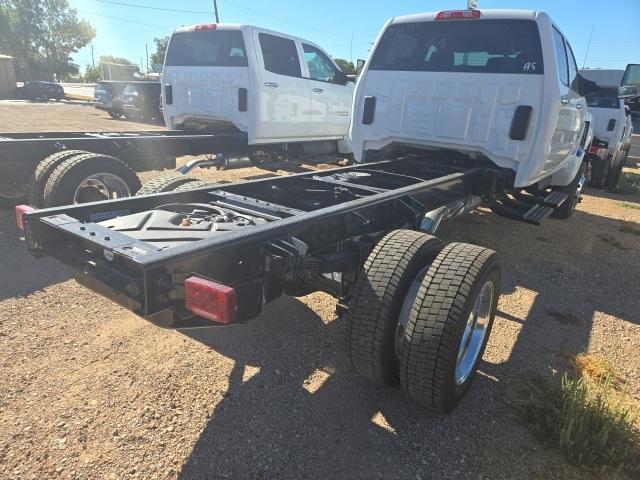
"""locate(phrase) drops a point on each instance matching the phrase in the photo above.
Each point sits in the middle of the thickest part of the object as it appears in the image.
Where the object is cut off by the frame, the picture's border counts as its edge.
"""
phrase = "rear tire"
(114, 114)
(615, 172)
(35, 187)
(65, 185)
(196, 184)
(574, 191)
(377, 300)
(167, 183)
(462, 282)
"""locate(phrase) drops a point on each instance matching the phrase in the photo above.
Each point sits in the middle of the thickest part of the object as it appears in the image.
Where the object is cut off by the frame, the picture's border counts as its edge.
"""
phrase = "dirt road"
(88, 390)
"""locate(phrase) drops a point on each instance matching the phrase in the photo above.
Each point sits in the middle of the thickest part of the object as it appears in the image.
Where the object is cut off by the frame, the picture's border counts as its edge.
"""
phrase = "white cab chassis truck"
(457, 109)
(285, 93)
(612, 128)
(500, 85)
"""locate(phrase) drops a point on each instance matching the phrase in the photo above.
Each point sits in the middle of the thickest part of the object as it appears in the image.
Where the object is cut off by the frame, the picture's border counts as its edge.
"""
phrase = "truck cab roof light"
(210, 299)
(458, 15)
(206, 26)
(20, 211)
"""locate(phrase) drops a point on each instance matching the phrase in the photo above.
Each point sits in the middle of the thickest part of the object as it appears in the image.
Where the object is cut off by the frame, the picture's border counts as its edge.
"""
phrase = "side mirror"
(340, 78)
(584, 87)
(630, 84)
(359, 65)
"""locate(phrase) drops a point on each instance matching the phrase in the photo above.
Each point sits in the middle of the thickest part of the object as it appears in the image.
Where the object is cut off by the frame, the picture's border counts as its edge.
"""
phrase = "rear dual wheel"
(420, 315)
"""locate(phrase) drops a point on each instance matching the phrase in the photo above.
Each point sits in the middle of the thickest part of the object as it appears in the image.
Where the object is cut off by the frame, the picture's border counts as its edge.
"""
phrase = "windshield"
(485, 46)
(603, 98)
(207, 48)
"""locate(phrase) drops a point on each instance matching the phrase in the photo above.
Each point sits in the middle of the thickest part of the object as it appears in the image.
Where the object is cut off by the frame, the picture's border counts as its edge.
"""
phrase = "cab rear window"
(483, 46)
(207, 48)
(603, 98)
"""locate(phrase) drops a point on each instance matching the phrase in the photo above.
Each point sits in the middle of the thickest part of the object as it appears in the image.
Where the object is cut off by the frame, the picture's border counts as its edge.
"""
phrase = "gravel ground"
(89, 390)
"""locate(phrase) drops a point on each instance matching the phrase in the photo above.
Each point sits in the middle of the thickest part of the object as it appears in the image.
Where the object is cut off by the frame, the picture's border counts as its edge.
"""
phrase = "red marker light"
(20, 211)
(458, 15)
(593, 149)
(210, 299)
(206, 26)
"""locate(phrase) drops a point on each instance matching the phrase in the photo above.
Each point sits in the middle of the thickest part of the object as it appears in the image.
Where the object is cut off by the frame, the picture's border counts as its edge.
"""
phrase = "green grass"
(591, 423)
(629, 183)
(634, 206)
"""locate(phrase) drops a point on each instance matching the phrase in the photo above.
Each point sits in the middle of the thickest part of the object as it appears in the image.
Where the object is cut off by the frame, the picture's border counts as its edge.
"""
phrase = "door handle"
(564, 101)
(578, 106)
(318, 90)
(271, 84)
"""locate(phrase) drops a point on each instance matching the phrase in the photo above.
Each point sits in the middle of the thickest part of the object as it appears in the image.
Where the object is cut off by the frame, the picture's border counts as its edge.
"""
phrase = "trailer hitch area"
(284, 258)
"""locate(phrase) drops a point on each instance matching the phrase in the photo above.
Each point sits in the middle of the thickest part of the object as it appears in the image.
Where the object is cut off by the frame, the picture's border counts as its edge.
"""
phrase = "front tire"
(375, 313)
(615, 172)
(449, 326)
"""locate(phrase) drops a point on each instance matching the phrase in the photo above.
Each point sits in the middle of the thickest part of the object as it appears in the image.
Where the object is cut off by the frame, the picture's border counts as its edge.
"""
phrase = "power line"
(157, 27)
(137, 5)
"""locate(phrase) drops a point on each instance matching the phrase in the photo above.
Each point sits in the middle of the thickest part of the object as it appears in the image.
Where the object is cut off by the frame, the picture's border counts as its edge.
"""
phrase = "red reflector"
(206, 26)
(20, 211)
(210, 299)
(593, 149)
(458, 15)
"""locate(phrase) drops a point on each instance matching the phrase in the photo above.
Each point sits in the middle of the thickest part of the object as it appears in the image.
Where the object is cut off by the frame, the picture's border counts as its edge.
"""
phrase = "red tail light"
(210, 299)
(206, 26)
(20, 211)
(593, 149)
(458, 15)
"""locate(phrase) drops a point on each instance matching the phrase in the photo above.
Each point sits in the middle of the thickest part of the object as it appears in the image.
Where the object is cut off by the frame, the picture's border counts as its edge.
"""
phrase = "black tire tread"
(373, 302)
(430, 339)
(165, 183)
(53, 188)
(35, 187)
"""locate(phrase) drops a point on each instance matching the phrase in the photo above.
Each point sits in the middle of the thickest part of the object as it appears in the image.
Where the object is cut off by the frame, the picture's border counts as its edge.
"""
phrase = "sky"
(345, 29)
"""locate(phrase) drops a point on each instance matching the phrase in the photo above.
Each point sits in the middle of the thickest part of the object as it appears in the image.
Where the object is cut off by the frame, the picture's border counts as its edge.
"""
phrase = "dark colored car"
(107, 97)
(142, 101)
(40, 91)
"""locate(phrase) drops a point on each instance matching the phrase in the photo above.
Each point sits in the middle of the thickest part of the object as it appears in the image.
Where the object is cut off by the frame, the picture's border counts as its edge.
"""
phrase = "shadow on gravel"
(20, 273)
(305, 414)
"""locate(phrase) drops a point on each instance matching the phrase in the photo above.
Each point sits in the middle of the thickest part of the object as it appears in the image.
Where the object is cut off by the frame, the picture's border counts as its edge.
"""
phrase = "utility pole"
(215, 10)
(146, 47)
(93, 61)
(588, 46)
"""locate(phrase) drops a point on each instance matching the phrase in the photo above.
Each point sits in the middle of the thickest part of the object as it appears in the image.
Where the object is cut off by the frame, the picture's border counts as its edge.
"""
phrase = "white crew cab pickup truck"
(501, 85)
(612, 128)
(276, 88)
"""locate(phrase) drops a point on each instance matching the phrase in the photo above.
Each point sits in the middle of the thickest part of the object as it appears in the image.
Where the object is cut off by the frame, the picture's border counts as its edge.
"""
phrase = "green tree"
(346, 66)
(157, 58)
(41, 35)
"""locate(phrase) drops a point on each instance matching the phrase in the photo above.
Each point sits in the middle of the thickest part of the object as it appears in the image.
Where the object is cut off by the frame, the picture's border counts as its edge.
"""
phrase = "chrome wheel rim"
(101, 186)
(475, 332)
(405, 311)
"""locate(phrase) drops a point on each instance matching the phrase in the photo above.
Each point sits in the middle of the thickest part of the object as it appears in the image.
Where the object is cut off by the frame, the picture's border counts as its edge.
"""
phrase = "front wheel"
(615, 172)
(115, 114)
(449, 326)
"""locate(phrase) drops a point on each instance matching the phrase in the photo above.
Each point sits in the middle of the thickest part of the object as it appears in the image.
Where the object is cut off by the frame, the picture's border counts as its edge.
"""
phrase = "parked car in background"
(612, 128)
(107, 97)
(40, 91)
(141, 101)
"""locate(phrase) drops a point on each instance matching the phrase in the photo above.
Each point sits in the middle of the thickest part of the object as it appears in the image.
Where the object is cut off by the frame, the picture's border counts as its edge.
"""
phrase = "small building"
(7, 77)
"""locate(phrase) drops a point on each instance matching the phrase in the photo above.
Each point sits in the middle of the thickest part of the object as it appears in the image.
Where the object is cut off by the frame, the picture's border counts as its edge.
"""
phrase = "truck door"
(331, 95)
(283, 110)
(571, 107)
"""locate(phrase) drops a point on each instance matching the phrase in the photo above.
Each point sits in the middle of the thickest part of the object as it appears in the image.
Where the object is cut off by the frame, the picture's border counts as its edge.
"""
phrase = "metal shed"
(7, 77)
